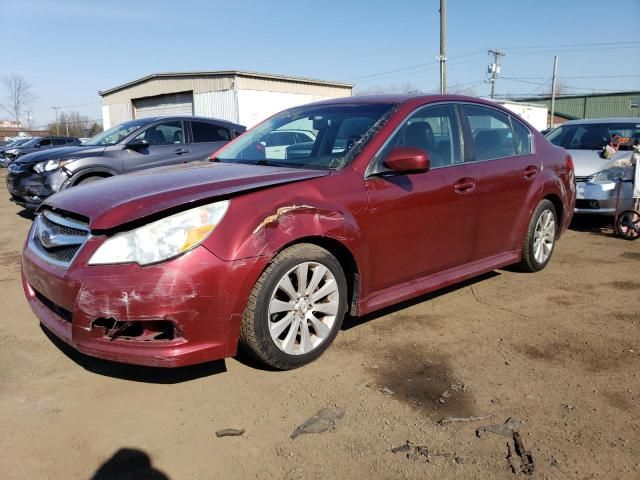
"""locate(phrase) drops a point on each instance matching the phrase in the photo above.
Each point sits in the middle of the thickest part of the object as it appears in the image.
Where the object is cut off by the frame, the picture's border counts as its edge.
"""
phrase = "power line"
(566, 45)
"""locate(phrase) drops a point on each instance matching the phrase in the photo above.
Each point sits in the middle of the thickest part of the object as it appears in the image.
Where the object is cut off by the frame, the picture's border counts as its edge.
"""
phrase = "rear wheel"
(296, 307)
(540, 239)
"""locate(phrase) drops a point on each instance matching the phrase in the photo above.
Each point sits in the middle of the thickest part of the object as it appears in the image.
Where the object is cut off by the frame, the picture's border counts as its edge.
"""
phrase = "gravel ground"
(559, 349)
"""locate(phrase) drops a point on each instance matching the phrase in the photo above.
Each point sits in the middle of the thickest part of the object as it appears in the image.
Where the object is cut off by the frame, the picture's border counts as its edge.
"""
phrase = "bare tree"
(74, 124)
(407, 88)
(19, 95)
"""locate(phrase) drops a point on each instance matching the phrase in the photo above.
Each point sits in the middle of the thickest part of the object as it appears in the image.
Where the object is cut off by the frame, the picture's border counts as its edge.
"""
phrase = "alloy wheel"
(544, 236)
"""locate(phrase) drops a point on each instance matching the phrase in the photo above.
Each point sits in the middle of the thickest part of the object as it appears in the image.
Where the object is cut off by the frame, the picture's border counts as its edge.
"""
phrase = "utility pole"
(553, 90)
(443, 46)
(494, 69)
(57, 126)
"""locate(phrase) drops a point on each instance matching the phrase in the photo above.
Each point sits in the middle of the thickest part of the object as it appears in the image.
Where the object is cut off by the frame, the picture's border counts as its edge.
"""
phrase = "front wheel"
(628, 225)
(296, 307)
(540, 238)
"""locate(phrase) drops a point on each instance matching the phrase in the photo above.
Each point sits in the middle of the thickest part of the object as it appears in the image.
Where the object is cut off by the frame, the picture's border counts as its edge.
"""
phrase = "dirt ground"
(559, 349)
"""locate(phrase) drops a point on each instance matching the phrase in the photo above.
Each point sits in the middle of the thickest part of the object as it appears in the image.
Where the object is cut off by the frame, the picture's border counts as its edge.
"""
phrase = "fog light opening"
(137, 330)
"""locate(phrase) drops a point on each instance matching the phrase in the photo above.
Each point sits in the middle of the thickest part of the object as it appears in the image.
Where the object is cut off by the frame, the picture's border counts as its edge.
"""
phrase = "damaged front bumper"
(29, 189)
(177, 313)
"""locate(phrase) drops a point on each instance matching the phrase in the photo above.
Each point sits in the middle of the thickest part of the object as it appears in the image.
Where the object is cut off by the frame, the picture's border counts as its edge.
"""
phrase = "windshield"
(30, 143)
(323, 137)
(594, 136)
(15, 143)
(114, 134)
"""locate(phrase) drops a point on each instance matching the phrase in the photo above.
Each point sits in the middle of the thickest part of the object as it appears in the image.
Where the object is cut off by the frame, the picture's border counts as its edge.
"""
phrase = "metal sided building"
(241, 97)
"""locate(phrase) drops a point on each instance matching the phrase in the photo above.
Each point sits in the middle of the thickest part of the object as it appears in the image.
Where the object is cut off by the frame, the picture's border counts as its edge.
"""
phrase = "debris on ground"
(419, 452)
(230, 432)
(458, 387)
(459, 460)
(526, 459)
(386, 391)
(522, 461)
(507, 428)
(446, 420)
(566, 406)
(322, 421)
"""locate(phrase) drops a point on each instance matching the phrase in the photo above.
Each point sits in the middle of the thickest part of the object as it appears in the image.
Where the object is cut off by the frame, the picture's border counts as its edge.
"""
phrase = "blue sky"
(70, 49)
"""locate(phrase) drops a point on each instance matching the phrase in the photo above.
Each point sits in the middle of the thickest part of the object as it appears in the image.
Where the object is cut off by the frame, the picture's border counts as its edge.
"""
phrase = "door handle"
(531, 171)
(464, 185)
(181, 151)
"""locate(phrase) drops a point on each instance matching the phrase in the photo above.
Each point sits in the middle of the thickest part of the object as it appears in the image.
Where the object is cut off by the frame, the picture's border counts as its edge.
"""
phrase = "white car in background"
(276, 142)
(596, 177)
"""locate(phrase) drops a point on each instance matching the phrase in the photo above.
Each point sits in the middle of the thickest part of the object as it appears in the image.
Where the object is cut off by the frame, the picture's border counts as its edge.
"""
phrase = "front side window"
(166, 133)
(208, 132)
(522, 137)
(332, 134)
(491, 131)
(433, 129)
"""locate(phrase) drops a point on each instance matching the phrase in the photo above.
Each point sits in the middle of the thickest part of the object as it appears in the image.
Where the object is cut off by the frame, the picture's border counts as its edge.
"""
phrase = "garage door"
(173, 104)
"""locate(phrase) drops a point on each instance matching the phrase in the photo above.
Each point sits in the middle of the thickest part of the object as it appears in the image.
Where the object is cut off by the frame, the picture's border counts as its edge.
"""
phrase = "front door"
(422, 223)
(166, 147)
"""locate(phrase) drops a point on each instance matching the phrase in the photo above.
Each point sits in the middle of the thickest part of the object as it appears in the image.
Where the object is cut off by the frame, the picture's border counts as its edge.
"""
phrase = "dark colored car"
(128, 147)
(10, 145)
(398, 196)
(38, 144)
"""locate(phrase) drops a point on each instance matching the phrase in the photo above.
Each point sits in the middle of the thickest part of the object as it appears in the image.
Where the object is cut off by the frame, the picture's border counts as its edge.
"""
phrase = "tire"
(628, 225)
(284, 331)
(535, 256)
(89, 179)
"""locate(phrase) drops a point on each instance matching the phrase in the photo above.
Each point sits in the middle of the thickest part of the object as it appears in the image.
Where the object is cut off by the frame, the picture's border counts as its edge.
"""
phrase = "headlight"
(609, 175)
(51, 165)
(162, 239)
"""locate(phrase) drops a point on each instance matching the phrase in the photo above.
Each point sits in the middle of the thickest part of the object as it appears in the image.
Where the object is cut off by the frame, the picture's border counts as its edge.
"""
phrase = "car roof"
(400, 99)
(602, 121)
(220, 121)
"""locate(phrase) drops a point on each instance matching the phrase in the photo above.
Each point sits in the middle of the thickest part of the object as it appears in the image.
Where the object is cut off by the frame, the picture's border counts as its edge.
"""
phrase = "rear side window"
(59, 141)
(522, 137)
(491, 130)
(45, 143)
(208, 132)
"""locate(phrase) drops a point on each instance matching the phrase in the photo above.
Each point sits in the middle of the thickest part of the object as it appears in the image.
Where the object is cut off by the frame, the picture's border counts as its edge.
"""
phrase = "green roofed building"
(595, 105)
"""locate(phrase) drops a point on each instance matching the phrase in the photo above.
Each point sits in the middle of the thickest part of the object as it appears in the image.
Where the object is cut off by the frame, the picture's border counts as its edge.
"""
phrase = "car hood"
(588, 162)
(119, 200)
(59, 152)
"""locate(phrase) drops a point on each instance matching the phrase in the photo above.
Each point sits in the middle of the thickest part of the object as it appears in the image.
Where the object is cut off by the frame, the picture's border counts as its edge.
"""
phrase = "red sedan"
(382, 199)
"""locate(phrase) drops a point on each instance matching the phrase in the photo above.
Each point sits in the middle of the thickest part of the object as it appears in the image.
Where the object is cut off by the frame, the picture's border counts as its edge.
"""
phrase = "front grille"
(13, 181)
(58, 310)
(57, 239)
(583, 179)
(587, 204)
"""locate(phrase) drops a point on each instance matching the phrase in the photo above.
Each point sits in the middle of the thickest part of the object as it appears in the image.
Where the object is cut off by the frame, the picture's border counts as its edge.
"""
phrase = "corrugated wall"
(161, 86)
(595, 106)
(291, 86)
(256, 105)
(119, 113)
(220, 104)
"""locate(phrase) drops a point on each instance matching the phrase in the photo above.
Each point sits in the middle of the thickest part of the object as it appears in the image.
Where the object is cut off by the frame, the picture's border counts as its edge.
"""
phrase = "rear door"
(166, 147)
(206, 138)
(422, 223)
(507, 169)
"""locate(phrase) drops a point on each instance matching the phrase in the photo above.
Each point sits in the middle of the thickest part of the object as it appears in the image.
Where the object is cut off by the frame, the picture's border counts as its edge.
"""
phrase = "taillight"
(569, 161)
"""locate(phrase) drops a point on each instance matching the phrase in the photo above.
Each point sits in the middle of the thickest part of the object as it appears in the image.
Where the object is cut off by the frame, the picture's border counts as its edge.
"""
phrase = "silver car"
(596, 177)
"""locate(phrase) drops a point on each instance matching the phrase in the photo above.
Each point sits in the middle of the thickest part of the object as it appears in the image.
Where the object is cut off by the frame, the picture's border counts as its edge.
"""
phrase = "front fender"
(81, 172)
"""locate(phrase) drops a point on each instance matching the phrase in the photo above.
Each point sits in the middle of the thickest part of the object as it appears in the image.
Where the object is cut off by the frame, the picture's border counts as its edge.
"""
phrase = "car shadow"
(353, 322)
(600, 225)
(137, 373)
(27, 214)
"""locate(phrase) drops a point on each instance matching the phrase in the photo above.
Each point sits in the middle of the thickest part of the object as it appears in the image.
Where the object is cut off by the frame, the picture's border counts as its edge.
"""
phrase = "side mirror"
(138, 144)
(407, 159)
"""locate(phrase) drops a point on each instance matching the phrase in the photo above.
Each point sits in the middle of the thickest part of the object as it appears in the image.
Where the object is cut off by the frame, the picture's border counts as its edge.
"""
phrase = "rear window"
(594, 136)
(207, 132)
